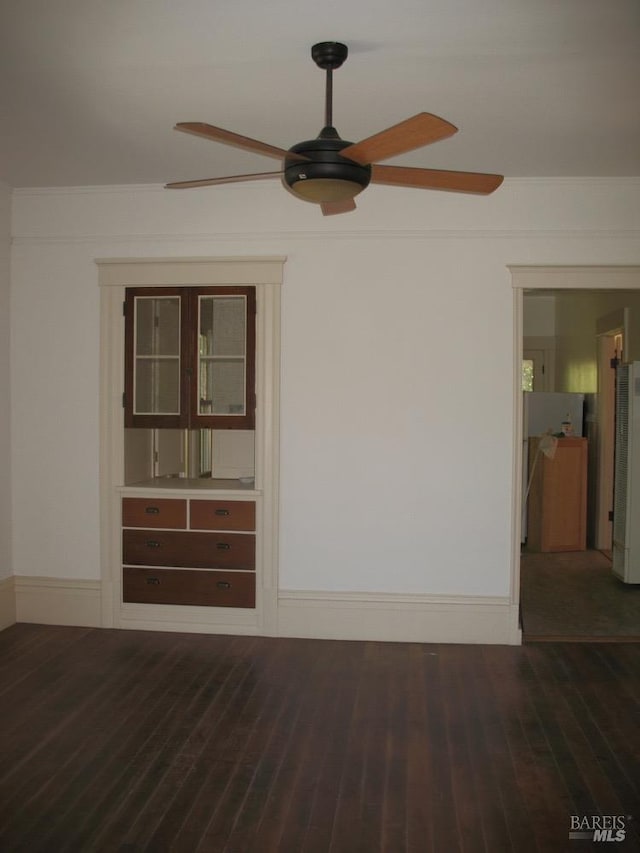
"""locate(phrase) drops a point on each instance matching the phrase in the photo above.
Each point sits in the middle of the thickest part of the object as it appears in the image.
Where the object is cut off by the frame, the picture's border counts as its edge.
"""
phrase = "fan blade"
(421, 129)
(217, 134)
(232, 179)
(436, 179)
(330, 208)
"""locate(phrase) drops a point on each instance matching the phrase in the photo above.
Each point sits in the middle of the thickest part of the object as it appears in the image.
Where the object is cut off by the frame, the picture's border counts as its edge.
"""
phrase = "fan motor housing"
(325, 176)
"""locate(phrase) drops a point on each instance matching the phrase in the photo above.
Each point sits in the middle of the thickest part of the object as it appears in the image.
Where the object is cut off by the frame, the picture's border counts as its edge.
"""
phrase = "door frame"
(547, 277)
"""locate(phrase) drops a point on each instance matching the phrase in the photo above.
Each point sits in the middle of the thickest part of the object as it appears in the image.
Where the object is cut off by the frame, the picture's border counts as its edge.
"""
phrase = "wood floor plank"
(329, 768)
(322, 701)
(534, 768)
(443, 827)
(142, 741)
(320, 696)
(120, 746)
(491, 824)
(254, 739)
(197, 687)
(359, 795)
(24, 652)
(520, 794)
(467, 783)
(58, 722)
(588, 746)
(604, 776)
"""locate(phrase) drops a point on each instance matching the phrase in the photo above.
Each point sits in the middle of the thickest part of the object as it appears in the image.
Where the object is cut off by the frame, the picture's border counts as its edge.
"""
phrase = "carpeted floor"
(575, 596)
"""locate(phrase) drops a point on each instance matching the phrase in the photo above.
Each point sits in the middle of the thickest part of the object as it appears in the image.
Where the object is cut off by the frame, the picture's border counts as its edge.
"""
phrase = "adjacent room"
(576, 345)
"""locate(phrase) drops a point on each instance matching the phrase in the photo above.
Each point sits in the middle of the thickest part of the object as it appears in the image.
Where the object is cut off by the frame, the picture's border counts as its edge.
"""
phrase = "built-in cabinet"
(189, 381)
(189, 370)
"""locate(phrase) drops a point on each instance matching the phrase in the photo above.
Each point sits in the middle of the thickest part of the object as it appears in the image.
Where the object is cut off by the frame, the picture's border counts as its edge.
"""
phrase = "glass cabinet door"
(223, 393)
(155, 351)
(189, 360)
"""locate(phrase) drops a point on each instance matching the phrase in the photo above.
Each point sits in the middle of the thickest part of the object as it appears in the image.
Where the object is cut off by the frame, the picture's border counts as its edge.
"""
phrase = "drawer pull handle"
(153, 581)
(222, 512)
(152, 510)
(153, 543)
(223, 546)
(223, 585)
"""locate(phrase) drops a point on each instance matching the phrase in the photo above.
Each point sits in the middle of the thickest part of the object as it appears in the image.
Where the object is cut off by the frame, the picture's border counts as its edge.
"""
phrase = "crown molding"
(289, 236)
(110, 189)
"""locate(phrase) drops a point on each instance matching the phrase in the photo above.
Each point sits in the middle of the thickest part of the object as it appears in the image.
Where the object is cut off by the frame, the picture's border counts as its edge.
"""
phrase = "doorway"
(606, 291)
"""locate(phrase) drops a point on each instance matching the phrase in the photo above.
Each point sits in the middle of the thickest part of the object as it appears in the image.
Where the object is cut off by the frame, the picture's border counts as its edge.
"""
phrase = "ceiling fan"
(329, 170)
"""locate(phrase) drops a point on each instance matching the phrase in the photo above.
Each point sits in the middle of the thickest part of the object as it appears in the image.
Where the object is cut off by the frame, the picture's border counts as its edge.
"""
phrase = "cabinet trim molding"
(172, 272)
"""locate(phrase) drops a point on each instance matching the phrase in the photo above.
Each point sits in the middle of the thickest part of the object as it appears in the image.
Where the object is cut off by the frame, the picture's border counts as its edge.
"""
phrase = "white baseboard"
(398, 618)
(189, 620)
(309, 614)
(7, 603)
(58, 601)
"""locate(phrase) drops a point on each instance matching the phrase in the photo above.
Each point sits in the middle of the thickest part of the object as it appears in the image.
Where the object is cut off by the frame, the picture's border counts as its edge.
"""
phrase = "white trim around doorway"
(547, 277)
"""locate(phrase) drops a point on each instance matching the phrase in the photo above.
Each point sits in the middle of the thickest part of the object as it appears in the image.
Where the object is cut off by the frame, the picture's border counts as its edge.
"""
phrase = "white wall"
(5, 478)
(397, 366)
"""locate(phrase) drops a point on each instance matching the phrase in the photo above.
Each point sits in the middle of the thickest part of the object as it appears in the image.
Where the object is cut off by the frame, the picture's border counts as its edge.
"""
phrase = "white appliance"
(544, 411)
(626, 475)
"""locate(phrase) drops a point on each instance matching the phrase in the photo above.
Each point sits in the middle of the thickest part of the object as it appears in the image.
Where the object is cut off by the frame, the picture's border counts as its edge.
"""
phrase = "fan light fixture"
(324, 189)
(329, 171)
(319, 174)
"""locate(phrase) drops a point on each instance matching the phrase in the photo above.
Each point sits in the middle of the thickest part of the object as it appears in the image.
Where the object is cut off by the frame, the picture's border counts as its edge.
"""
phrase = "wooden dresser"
(557, 505)
(189, 551)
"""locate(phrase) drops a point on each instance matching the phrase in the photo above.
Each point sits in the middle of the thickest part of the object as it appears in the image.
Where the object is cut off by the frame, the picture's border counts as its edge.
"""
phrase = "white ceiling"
(90, 89)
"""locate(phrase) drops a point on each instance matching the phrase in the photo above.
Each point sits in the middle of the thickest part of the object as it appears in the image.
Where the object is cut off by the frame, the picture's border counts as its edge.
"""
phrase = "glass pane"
(157, 355)
(157, 325)
(222, 387)
(222, 325)
(527, 374)
(222, 351)
(157, 386)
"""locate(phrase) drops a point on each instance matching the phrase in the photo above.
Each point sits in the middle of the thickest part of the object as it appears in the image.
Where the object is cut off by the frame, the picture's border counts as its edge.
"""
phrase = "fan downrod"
(329, 54)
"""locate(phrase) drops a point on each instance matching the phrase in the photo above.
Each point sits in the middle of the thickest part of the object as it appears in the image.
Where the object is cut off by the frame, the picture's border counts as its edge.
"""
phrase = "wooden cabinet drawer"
(154, 512)
(184, 586)
(192, 550)
(223, 515)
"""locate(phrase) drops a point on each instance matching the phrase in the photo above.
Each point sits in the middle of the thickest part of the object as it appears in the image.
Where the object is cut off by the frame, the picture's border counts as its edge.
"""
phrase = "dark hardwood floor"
(140, 741)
